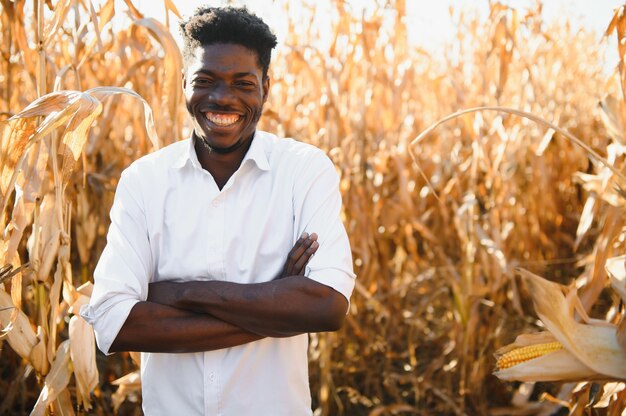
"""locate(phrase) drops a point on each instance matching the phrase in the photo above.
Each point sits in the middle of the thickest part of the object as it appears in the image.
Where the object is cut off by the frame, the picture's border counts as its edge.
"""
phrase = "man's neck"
(221, 165)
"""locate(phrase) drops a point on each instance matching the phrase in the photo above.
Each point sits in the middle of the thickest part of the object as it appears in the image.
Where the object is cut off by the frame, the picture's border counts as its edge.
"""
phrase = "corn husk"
(591, 350)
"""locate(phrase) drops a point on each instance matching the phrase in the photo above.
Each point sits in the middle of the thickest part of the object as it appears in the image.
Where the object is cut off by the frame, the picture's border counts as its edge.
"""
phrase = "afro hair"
(210, 25)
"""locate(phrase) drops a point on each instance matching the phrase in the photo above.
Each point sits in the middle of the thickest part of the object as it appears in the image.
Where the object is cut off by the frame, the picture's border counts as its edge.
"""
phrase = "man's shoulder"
(291, 151)
(160, 160)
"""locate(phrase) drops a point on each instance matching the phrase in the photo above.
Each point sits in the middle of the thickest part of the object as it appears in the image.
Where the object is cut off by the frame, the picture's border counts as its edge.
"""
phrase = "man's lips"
(222, 119)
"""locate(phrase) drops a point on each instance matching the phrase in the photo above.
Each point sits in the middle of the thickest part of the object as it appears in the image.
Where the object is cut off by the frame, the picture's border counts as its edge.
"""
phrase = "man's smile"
(222, 120)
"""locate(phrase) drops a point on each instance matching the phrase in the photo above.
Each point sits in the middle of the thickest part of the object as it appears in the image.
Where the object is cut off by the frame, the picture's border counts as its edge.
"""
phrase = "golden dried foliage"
(436, 237)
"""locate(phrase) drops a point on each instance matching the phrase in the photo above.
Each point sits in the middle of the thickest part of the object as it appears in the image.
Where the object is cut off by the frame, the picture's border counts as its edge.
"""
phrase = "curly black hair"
(210, 25)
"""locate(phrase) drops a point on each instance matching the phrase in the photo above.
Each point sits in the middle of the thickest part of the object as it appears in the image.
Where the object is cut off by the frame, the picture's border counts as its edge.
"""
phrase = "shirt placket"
(216, 236)
(215, 256)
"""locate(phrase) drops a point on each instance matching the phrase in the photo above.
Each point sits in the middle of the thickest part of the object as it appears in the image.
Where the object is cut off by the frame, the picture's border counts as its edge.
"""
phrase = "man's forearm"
(278, 308)
(152, 327)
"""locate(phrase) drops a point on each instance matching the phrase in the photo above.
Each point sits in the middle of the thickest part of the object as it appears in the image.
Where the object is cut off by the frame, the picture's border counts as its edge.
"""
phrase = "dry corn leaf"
(586, 219)
(173, 62)
(169, 5)
(27, 192)
(616, 268)
(621, 334)
(56, 381)
(18, 331)
(106, 12)
(50, 105)
(618, 24)
(85, 289)
(57, 108)
(83, 354)
(21, 337)
(76, 133)
(18, 30)
(600, 185)
(608, 392)
(136, 357)
(96, 24)
(15, 230)
(134, 11)
(610, 114)
(60, 11)
(38, 356)
(128, 385)
(44, 242)
(63, 405)
(86, 226)
(15, 137)
(612, 223)
(61, 275)
(101, 93)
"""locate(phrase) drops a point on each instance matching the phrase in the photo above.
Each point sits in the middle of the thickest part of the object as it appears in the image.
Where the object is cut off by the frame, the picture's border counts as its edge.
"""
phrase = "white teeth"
(222, 120)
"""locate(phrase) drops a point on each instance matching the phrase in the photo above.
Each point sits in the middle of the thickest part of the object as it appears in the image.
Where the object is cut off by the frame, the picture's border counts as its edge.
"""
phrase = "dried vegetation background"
(435, 240)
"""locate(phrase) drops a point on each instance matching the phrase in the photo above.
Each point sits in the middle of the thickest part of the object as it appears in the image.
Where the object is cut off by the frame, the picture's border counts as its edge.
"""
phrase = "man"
(194, 272)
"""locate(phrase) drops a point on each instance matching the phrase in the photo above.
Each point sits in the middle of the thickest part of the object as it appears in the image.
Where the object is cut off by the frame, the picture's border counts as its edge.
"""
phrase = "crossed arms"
(130, 313)
(203, 316)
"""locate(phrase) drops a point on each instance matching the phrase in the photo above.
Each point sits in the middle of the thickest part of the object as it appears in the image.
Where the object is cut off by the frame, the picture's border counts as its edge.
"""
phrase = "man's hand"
(299, 256)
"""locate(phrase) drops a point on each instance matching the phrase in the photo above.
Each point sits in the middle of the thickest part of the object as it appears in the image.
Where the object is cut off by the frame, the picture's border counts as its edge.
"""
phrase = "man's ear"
(183, 78)
(266, 88)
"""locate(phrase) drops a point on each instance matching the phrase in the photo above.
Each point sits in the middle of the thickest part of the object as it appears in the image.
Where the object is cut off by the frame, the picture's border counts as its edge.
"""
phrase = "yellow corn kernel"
(520, 355)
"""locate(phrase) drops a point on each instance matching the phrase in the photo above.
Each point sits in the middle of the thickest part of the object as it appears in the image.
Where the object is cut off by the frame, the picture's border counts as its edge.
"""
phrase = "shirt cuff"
(107, 322)
(334, 278)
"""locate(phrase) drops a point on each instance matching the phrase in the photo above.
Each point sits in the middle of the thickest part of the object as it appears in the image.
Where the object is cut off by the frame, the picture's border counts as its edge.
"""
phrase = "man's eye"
(202, 81)
(245, 84)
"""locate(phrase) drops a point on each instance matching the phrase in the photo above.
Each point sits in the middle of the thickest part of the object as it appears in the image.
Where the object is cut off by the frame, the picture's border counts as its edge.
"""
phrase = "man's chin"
(220, 149)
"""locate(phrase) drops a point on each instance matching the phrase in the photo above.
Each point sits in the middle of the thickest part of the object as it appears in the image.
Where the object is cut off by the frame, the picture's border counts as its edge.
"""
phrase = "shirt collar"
(256, 153)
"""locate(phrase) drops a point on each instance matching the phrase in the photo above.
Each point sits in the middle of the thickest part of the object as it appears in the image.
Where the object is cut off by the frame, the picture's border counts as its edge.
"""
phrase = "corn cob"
(520, 355)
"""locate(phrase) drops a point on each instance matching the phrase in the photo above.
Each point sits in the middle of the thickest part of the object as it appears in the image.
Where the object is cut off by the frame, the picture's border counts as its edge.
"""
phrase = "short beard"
(220, 150)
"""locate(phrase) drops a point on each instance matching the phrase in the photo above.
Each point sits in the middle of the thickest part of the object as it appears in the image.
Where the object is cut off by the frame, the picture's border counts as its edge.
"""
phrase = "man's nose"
(222, 94)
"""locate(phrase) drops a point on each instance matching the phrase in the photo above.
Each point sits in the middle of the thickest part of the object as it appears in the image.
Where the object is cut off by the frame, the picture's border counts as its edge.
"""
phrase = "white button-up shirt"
(170, 222)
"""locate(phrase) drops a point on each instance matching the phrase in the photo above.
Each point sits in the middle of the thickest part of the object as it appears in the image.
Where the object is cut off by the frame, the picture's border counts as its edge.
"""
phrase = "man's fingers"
(292, 257)
(300, 255)
(305, 257)
(299, 248)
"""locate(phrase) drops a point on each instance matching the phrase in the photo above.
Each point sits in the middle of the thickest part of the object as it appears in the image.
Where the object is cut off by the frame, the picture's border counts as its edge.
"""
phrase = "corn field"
(451, 221)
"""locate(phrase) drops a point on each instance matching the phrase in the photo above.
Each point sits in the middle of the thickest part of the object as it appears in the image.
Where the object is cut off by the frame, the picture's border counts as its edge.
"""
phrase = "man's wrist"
(196, 296)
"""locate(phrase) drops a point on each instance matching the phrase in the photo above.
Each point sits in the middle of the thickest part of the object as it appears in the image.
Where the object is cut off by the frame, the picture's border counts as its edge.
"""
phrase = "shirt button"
(216, 203)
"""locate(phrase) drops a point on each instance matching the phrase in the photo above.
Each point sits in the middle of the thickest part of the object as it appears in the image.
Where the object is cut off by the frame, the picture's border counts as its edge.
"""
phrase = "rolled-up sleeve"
(123, 272)
(317, 209)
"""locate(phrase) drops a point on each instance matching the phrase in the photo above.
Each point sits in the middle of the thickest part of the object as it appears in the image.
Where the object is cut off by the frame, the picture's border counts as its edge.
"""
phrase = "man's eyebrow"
(204, 71)
(244, 74)
(236, 75)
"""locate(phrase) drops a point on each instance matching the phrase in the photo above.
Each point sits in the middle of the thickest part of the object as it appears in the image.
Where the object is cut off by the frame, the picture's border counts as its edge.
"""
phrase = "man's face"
(224, 92)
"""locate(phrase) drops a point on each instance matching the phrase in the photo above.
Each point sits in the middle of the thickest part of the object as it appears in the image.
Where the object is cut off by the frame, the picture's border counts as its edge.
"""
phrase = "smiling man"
(209, 268)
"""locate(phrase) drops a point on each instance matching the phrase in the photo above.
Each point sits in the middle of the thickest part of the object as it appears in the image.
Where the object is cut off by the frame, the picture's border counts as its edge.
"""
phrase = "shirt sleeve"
(317, 209)
(123, 272)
